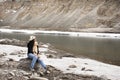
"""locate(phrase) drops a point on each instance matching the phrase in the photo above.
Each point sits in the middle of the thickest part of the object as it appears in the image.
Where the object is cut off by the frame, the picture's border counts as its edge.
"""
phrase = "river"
(101, 49)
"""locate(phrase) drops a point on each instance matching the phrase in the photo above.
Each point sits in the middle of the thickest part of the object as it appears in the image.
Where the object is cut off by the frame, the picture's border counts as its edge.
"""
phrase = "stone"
(17, 53)
(13, 53)
(50, 56)
(104, 77)
(37, 78)
(72, 66)
(19, 78)
(2, 54)
(11, 59)
(68, 69)
(25, 73)
(83, 69)
(68, 55)
(25, 65)
(1, 64)
(12, 73)
(86, 63)
(13, 42)
(88, 70)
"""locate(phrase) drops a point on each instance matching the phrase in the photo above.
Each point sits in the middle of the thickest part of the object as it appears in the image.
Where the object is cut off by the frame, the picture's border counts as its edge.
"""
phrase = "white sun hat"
(32, 37)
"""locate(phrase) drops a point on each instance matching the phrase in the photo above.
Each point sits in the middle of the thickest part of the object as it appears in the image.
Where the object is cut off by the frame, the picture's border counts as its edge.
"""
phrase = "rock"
(11, 76)
(25, 65)
(65, 78)
(1, 64)
(5, 64)
(5, 41)
(17, 52)
(26, 77)
(68, 69)
(72, 66)
(26, 73)
(11, 59)
(88, 70)
(13, 42)
(37, 78)
(68, 55)
(86, 63)
(12, 73)
(13, 53)
(2, 54)
(19, 78)
(83, 68)
(104, 77)
(20, 56)
(20, 53)
(50, 56)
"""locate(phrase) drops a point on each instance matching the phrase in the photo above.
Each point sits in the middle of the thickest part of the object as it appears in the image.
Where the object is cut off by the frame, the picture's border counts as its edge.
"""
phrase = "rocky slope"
(10, 69)
(63, 15)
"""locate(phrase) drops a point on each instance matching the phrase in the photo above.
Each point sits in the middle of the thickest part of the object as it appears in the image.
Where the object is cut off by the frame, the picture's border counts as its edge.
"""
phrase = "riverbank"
(65, 67)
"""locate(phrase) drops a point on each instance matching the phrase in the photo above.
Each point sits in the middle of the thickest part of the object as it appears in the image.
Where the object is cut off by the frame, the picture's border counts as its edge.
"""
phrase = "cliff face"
(65, 15)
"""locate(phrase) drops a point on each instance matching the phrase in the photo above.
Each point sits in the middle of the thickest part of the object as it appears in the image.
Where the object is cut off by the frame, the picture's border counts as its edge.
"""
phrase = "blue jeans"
(34, 60)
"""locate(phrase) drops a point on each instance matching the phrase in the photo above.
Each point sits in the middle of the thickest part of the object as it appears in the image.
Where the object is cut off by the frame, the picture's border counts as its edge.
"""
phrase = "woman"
(33, 51)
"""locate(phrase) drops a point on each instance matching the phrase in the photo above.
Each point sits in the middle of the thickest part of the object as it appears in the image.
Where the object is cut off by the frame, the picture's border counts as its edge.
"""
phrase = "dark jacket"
(30, 46)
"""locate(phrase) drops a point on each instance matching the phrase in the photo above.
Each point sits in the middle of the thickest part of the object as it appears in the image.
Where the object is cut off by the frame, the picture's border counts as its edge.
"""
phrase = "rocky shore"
(14, 64)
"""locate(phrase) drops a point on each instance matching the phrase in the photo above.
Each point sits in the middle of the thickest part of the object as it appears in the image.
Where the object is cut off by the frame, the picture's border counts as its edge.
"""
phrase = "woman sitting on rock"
(33, 51)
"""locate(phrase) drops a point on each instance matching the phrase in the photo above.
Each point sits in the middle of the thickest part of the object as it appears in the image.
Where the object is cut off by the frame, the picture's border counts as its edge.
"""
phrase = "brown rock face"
(65, 15)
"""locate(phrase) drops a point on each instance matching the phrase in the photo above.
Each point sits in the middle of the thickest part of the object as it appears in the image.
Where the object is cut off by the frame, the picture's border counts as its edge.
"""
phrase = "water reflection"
(106, 50)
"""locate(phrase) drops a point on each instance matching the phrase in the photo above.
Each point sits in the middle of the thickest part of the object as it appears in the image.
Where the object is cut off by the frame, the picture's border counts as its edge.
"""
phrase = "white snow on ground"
(12, 49)
(98, 68)
(77, 34)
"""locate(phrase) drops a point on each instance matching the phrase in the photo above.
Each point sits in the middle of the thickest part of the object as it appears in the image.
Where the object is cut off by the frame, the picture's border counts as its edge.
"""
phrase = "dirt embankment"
(65, 15)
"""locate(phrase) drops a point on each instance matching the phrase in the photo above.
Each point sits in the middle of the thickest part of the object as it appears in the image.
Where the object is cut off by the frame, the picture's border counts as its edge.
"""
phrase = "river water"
(102, 49)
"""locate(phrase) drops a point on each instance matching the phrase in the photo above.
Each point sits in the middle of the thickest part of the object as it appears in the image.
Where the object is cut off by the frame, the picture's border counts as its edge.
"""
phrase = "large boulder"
(25, 64)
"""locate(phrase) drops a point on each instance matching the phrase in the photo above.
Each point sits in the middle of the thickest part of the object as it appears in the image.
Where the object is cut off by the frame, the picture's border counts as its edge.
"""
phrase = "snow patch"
(10, 49)
(92, 67)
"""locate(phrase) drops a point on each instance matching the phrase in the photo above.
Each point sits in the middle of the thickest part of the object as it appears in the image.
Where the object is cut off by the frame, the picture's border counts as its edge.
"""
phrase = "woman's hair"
(35, 46)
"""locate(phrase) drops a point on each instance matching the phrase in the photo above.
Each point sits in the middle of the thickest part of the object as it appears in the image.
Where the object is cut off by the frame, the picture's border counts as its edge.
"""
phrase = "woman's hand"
(39, 56)
(35, 54)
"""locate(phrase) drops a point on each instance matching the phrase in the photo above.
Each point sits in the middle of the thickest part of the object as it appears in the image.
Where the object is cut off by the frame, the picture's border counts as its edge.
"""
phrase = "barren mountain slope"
(65, 15)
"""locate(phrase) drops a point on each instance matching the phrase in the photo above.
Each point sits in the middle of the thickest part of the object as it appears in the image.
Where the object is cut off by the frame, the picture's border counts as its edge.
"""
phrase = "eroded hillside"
(63, 15)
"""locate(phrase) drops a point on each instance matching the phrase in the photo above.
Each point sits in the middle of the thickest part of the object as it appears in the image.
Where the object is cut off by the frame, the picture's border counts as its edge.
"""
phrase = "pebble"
(72, 66)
